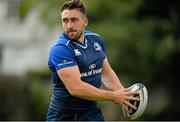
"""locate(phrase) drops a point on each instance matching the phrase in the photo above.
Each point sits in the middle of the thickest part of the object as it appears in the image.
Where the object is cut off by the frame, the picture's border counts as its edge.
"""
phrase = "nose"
(69, 25)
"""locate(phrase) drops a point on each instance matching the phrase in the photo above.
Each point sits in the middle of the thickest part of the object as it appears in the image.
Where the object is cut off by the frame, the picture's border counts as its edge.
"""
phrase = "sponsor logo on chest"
(92, 71)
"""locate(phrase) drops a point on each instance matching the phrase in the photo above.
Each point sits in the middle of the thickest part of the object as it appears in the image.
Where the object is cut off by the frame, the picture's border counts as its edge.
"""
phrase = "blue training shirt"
(88, 57)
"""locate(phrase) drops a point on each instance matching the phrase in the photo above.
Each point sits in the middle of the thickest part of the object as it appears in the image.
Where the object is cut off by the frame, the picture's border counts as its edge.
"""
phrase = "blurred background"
(142, 40)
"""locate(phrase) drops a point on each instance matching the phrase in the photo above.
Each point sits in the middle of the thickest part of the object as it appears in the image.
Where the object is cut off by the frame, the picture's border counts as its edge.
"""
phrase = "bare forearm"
(111, 81)
(82, 89)
(86, 91)
(89, 92)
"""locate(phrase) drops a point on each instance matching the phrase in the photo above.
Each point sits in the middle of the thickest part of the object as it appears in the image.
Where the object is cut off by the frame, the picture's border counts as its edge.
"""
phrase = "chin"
(73, 38)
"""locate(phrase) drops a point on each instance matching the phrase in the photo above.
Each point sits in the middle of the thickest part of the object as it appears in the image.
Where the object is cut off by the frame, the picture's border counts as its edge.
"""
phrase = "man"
(76, 63)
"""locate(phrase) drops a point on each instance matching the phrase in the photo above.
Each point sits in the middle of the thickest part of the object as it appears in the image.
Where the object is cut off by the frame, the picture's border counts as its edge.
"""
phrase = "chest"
(90, 57)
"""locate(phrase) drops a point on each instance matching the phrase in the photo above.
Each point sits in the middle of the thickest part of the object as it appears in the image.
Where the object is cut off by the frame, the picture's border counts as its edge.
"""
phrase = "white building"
(23, 45)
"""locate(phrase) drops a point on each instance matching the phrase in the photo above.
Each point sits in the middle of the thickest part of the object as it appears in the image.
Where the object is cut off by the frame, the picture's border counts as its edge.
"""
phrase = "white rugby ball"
(141, 105)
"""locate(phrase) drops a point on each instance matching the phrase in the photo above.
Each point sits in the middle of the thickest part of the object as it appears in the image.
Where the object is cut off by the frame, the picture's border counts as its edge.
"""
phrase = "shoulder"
(92, 34)
(63, 40)
(62, 46)
(61, 50)
(94, 37)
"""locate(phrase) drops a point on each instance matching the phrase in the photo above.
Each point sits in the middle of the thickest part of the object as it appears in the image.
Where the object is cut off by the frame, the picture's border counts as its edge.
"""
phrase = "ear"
(86, 22)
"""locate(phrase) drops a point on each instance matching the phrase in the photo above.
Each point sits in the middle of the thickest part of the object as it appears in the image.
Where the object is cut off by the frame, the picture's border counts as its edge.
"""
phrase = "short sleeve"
(61, 57)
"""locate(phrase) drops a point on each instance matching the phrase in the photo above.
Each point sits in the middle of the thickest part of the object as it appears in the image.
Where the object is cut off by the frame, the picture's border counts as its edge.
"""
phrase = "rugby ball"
(133, 114)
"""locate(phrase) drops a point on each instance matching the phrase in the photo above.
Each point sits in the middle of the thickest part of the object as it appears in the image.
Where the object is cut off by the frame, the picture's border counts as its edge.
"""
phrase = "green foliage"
(14, 97)
(25, 7)
(40, 89)
(25, 98)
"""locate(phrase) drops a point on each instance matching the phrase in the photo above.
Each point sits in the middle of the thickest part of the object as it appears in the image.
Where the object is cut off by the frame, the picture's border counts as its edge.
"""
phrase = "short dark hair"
(75, 4)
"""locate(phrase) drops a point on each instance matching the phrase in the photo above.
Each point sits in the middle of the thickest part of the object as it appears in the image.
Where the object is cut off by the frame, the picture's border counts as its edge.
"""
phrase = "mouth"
(72, 33)
(71, 30)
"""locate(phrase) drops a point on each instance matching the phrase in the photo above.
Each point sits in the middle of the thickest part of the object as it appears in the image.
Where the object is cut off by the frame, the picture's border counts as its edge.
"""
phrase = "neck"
(81, 39)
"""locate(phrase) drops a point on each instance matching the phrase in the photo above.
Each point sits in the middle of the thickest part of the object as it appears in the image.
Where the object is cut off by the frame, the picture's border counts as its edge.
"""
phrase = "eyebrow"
(69, 18)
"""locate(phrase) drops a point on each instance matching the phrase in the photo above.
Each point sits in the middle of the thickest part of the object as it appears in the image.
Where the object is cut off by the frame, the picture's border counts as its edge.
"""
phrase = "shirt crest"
(97, 47)
(77, 52)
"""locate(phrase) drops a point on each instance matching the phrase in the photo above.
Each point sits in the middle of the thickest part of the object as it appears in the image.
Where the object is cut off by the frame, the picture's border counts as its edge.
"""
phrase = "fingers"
(133, 98)
(127, 89)
(129, 104)
(129, 92)
(124, 96)
(133, 93)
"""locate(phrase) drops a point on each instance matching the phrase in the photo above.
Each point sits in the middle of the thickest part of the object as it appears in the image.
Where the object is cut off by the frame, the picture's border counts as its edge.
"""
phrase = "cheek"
(64, 26)
(80, 26)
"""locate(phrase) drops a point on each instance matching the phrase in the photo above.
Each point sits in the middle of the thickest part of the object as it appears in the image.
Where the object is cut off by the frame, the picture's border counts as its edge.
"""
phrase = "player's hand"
(123, 96)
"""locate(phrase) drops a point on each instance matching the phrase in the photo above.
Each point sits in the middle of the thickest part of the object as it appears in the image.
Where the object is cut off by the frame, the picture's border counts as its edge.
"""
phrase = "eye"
(65, 20)
(74, 19)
